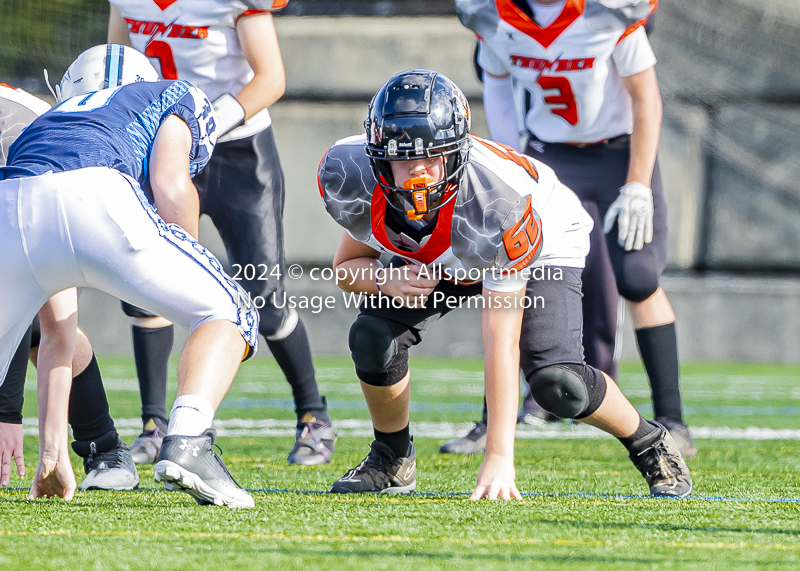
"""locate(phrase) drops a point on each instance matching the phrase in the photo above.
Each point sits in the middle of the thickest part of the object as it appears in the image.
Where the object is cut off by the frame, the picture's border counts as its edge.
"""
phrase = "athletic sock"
(658, 347)
(151, 350)
(191, 415)
(645, 428)
(398, 441)
(88, 406)
(315, 416)
(101, 443)
(293, 354)
(485, 413)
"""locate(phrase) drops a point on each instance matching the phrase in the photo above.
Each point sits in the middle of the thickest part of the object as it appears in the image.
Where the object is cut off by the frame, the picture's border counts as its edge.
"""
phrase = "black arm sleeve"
(12, 391)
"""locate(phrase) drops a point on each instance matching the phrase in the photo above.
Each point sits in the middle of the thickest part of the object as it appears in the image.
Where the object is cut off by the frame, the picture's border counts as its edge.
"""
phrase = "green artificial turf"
(585, 505)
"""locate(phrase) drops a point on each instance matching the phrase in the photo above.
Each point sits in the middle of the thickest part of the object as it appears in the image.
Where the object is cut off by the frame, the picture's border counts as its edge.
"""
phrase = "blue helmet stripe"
(114, 57)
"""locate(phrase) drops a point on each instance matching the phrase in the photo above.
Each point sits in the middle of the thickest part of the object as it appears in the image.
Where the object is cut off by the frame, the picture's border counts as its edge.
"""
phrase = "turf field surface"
(585, 506)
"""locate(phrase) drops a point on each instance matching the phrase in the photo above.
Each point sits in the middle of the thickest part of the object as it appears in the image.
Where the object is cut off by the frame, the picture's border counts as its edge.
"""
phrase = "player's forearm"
(264, 90)
(647, 113)
(500, 331)
(54, 380)
(359, 275)
(259, 41)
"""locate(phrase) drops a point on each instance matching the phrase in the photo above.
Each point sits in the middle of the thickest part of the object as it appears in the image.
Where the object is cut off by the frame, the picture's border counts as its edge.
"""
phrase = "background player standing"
(579, 79)
(229, 50)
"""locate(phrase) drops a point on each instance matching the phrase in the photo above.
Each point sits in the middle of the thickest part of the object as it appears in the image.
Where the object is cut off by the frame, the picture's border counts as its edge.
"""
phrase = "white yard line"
(248, 428)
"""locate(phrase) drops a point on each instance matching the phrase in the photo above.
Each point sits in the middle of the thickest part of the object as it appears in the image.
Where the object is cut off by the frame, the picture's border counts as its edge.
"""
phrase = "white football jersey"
(18, 109)
(196, 40)
(572, 68)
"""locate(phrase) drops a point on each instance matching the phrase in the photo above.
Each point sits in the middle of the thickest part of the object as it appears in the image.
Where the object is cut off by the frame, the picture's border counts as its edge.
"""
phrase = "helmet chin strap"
(420, 196)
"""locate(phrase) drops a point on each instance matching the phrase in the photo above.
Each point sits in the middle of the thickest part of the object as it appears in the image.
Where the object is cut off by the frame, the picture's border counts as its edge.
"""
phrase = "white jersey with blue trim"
(113, 128)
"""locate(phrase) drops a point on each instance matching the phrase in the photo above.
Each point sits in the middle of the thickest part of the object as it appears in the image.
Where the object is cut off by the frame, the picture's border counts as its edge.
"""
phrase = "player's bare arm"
(117, 28)
(59, 322)
(647, 113)
(633, 210)
(259, 42)
(500, 330)
(364, 270)
(175, 195)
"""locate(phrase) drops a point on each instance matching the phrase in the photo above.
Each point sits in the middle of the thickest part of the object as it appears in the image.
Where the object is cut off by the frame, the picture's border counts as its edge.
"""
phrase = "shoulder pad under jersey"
(480, 16)
(616, 15)
(486, 209)
(346, 183)
(270, 5)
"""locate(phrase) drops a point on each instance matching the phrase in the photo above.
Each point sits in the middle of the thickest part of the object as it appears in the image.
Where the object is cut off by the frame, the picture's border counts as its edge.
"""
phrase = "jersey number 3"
(562, 103)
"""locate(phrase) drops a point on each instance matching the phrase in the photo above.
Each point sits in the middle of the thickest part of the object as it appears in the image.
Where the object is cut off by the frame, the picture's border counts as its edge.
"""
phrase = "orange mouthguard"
(420, 196)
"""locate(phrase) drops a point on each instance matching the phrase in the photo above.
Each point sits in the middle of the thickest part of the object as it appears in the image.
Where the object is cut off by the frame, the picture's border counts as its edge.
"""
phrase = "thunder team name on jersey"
(572, 68)
(113, 128)
(511, 212)
(196, 40)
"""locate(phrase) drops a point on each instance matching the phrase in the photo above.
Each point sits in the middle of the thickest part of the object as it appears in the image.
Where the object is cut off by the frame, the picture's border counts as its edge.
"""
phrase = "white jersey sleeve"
(489, 61)
(633, 53)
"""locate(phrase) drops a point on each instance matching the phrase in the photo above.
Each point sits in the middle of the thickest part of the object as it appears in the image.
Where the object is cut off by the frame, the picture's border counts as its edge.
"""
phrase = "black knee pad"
(636, 285)
(568, 390)
(374, 349)
(133, 311)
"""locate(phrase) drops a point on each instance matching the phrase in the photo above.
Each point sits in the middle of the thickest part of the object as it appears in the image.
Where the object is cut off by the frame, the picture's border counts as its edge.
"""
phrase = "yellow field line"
(397, 539)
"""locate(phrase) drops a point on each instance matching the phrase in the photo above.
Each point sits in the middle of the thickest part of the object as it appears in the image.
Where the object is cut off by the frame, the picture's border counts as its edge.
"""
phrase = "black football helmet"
(418, 114)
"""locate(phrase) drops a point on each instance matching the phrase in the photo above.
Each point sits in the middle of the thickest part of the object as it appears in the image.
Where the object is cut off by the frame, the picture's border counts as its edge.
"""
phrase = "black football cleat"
(660, 462)
(190, 464)
(107, 463)
(381, 472)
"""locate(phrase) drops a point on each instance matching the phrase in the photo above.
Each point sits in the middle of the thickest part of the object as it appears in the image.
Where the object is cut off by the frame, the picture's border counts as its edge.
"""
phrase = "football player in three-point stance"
(229, 49)
(106, 460)
(444, 203)
(75, 214)
(577, 78)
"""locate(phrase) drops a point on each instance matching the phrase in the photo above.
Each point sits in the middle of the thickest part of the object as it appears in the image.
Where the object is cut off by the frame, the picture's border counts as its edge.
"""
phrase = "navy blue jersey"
(112, 128)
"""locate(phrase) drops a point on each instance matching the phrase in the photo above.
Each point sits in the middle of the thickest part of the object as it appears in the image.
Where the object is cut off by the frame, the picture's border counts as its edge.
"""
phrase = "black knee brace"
(375, 353)
(568, 390)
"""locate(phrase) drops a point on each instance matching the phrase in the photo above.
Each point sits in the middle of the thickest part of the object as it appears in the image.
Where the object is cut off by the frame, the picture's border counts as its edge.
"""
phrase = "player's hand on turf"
(54, 477)
(633, 209)
(496, 479)
(10, 447)
(406, 283)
